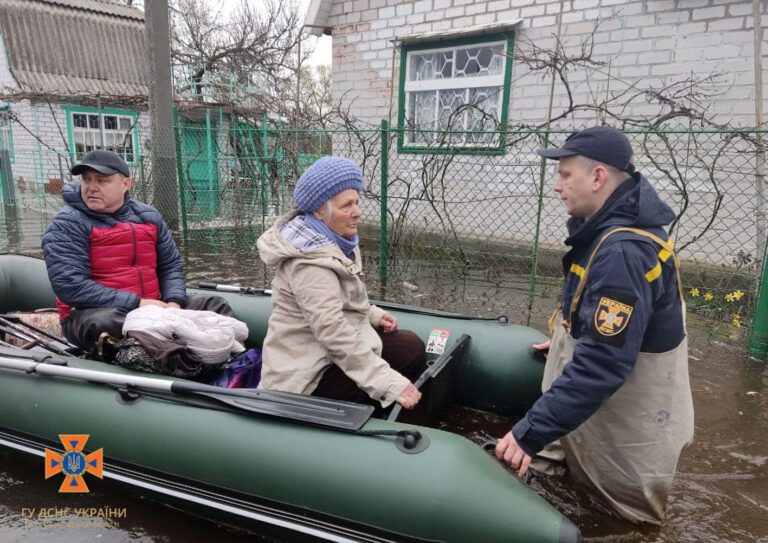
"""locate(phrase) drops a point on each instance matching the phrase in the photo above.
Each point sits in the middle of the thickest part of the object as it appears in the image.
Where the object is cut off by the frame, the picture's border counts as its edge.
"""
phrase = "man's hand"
(510, 452)
(409, 397)
(147, 301)
(388, 324)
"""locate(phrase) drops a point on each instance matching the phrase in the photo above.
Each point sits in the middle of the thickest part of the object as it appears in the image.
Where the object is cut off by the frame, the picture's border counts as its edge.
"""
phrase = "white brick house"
(73, 78)
(413, 62)
(643, 40)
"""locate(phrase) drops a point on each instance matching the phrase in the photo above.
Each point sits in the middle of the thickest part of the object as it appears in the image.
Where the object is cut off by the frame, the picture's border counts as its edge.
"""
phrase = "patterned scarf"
(347, 245)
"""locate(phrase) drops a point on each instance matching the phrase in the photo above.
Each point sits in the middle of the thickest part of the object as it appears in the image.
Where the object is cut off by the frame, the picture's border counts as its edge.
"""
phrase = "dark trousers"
(403, 350)
(84, 326)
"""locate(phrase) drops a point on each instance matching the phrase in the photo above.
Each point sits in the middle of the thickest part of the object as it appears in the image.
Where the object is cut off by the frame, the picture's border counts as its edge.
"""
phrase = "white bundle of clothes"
(211, 338)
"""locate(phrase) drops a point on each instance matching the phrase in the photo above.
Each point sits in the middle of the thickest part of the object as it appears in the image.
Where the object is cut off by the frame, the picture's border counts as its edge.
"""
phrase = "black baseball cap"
(103, 161)
(601, 143)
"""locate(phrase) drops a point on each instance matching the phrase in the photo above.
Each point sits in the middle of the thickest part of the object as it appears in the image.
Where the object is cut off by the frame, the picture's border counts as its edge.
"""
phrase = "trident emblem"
(74, 463)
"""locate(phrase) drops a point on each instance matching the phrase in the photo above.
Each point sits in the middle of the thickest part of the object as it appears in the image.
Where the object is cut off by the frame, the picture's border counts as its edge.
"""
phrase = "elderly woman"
(322, 338)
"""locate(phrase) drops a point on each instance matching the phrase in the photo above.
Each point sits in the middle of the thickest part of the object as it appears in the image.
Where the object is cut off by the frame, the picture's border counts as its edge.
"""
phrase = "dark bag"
(244, 371)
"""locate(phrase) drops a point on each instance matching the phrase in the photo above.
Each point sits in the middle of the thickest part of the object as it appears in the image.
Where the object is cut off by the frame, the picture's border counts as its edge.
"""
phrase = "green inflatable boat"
(303, 468)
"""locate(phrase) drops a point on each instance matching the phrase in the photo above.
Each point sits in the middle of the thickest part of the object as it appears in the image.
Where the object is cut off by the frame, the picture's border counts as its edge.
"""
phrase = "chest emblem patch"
(612, 317)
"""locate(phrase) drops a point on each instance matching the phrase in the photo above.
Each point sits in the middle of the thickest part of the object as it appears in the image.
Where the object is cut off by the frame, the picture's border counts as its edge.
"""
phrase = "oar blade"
(307, 409)
(284, 405)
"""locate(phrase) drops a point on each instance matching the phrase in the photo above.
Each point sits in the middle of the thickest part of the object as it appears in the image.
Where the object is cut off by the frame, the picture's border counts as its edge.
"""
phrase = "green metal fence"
(434, 220)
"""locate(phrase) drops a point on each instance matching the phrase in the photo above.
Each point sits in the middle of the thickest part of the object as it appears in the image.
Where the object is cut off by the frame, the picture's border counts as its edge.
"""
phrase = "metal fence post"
(180, 172)
(758, 341)
(383, 241)
(6, 175)
(537, 235)
(263, 169)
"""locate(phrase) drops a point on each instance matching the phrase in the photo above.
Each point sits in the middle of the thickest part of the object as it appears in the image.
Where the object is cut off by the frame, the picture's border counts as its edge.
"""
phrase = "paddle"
(309, 409)
(502, 319)
(235, 288)
(435, 367)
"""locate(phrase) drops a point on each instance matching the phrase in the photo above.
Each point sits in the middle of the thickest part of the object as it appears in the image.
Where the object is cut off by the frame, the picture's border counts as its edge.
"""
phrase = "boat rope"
(412, 434)
(47, 359)
(408, 440)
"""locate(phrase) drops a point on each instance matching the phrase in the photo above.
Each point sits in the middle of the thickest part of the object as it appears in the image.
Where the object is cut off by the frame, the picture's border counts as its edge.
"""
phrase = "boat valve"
(411, 441)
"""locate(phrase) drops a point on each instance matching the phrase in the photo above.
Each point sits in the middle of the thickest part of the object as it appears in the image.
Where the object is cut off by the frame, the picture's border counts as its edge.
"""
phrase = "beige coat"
(321, 316)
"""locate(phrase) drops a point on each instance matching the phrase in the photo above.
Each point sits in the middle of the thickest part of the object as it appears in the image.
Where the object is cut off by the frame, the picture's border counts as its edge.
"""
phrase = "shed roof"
(75, 47)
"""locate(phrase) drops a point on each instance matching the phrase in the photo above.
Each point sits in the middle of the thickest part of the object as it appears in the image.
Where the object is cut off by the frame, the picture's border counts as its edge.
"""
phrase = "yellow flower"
(708, 297)
(695, 292)
(736, 321)
(729, 297)
(738, 295)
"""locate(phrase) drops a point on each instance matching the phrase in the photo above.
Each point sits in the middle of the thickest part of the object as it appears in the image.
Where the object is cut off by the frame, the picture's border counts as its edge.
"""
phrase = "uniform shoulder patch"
(612, 315)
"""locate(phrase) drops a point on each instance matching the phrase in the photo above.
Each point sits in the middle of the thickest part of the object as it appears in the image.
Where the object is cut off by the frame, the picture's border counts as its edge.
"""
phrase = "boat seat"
(436, 380)
(45, 320)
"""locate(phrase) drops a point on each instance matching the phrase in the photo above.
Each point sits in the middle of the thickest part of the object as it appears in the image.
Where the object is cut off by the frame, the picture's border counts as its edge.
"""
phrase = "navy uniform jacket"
(629, 269)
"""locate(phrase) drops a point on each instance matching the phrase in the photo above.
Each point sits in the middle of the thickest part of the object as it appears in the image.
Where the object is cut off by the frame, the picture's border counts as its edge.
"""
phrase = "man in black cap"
(616, 402)
(107, 254)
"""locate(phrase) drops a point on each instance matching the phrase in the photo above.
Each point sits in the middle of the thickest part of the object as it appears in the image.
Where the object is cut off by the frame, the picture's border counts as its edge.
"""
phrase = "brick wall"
(643, 42)
(646, 44)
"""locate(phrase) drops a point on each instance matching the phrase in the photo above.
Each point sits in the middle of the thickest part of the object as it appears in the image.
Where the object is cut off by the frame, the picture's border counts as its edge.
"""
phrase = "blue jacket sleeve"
(599, 365)
(67, 257)
(170, 270)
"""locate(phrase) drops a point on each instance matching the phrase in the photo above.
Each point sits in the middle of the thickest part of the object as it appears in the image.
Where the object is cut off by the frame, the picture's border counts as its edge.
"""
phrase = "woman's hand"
(409, 397)
(388, 324)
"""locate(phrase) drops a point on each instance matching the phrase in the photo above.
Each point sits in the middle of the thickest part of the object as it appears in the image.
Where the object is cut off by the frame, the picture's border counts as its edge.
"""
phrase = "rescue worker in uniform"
(616, 403)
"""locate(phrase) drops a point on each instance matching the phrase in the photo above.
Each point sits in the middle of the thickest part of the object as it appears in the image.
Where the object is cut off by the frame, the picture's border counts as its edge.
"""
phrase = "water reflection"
(720, 493)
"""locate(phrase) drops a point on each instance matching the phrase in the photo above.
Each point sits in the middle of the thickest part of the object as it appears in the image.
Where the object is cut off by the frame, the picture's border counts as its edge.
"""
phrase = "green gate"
(200, 172)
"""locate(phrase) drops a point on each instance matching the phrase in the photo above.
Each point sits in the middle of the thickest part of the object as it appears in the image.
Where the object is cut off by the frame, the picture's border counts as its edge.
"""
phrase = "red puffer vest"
(123, 257)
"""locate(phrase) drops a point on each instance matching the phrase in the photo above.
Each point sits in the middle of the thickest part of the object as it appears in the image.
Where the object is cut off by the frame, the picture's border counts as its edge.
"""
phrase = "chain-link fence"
(435, 217)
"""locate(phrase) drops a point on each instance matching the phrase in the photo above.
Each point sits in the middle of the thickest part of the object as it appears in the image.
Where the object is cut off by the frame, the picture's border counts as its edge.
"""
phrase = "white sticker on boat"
(437, 341)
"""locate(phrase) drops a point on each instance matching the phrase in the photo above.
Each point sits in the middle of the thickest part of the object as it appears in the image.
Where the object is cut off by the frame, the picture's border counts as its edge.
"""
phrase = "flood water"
(721, 489)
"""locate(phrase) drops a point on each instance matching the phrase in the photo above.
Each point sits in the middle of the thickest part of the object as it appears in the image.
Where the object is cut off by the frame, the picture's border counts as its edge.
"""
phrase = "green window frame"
(454, 95)
(6, 130)
(91, 128)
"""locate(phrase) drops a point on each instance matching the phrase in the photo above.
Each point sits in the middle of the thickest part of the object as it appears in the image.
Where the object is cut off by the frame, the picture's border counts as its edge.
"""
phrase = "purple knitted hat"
(325, 179)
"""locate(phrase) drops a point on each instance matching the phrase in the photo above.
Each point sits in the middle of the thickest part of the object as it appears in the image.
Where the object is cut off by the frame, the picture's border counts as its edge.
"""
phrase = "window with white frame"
(454, 95)
(96, 130)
